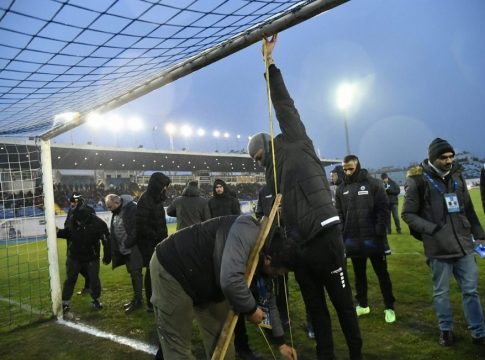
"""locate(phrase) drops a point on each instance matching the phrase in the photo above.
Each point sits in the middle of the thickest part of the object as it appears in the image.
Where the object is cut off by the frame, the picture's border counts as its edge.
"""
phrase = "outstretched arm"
(291, 125)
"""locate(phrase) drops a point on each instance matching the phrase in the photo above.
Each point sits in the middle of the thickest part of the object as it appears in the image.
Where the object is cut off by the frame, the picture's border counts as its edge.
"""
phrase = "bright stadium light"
(200, 132)
(135, 124)
(170, 129)
(94, 120)
(186, 131)
(238, 136)
(226, 135)
(345, 95)
(216, 133)
(66, 117)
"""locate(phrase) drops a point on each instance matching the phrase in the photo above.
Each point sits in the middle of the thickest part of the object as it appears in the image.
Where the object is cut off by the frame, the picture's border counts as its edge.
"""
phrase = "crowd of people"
(198, 271)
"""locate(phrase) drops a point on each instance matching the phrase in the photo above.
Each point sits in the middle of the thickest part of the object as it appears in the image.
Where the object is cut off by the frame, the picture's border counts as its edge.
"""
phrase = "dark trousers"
(73, 269)
(323, 267)
(394, 212)
(241, 341)
(379, 264)
(281, 294)
(137, 284)
(148, 285)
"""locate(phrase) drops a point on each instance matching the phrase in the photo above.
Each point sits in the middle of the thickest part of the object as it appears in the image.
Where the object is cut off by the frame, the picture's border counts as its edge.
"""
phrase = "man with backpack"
(439, 211)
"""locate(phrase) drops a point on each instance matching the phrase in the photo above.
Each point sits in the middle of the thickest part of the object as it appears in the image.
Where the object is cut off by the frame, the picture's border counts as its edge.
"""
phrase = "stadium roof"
(24, 155)
(60, 56)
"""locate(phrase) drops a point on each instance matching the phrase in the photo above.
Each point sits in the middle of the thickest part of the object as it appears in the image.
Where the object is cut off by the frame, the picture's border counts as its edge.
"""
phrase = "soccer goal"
(25, 294)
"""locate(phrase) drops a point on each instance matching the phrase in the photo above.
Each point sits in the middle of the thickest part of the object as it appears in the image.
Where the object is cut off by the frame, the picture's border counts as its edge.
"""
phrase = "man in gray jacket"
(200, 271)
(124, 249)
(439, 211)
(190, 208)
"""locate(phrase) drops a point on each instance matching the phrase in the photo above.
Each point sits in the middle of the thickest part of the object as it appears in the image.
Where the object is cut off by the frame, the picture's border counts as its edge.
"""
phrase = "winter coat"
(361, 202)
(85, 238)
(189, 208)
(445, 235)
(307, 201)
(392, 190)
(123, 235)
(188, 255)
(151, 224)
(223, 204)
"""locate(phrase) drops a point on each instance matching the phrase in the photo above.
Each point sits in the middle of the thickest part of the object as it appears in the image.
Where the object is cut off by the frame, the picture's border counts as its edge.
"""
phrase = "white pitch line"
(23, 306)
(135, 344)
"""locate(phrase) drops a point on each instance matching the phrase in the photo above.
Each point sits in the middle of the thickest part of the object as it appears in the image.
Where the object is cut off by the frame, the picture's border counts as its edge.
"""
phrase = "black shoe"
(96, 304)
(479, 341)
(65, 308)
(149, 308)
(134, 305)
(446, 338)
(247, 355)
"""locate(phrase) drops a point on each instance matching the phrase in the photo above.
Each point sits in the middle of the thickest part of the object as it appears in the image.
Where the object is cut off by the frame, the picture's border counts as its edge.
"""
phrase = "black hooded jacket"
(362, 205)
(151, 225)
(225, 203)
(307, 200)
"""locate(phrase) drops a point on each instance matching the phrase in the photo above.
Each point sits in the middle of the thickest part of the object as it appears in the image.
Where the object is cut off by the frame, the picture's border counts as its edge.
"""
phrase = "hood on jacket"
(81, 215)
(156, 186)
(192, 189)
(224, 185)
(126, 198)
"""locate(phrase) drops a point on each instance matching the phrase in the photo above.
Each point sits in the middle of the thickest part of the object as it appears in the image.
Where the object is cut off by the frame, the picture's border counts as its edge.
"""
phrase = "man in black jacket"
(151, 224)
(124, 248)
(309, 217)
(362, 205)
(392, 190)
(84, 233)
(437, 206)
(222, 202)
(200, 271)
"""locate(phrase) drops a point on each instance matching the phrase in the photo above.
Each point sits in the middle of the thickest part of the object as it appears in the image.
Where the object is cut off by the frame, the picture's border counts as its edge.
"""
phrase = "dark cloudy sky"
(419, 67)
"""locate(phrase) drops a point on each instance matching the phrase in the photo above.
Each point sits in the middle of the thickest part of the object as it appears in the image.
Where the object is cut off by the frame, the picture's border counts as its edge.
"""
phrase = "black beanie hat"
(438, 147)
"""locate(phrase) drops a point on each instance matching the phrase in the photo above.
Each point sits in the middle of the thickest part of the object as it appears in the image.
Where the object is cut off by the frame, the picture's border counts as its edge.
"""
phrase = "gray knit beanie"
(260, 141)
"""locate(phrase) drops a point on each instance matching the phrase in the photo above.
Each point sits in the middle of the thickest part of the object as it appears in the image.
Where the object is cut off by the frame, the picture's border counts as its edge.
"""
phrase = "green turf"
(413, 336)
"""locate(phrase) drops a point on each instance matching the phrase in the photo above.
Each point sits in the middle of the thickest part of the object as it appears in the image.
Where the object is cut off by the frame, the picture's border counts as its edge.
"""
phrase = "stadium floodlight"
(170, 129)
(226, 135)
(135, 124)
(345, 95)
(200, 132)
(66, 118)
(238, 136)
(186, 131)
(216, 133)
(94, 120)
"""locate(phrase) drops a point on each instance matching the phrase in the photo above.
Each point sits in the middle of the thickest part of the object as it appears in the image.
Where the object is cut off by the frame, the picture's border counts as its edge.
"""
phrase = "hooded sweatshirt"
(190, 208)
(225, 203)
